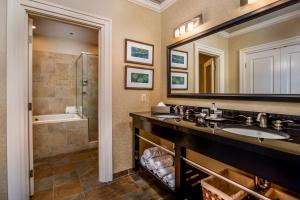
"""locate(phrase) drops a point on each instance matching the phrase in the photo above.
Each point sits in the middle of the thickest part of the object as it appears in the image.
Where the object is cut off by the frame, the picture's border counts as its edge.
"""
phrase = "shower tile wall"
(91, 99)
(54, 86)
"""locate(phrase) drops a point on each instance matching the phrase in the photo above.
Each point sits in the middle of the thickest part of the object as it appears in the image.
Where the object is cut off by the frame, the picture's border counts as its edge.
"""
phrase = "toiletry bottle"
(213, 110)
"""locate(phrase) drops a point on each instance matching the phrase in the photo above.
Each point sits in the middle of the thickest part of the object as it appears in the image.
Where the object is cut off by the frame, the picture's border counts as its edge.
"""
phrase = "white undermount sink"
(168, 116)
(257, 133)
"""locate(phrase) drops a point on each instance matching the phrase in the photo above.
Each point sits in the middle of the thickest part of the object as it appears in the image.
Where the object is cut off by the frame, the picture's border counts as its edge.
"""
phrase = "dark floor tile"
(101, 193)
(87, 168)
(91, 183)
(64, 168)
(79, 196)
(66, 178)
(82, 155)
(43, 195)
(42, 171)
(67, 190)
(43, 184)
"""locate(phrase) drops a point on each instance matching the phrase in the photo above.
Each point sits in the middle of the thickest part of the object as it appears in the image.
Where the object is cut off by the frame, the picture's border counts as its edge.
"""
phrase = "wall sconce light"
(245, 2)
(188, 26)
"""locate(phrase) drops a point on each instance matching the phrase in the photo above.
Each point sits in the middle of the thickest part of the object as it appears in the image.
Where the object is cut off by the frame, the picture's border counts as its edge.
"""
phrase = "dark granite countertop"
(214, 130)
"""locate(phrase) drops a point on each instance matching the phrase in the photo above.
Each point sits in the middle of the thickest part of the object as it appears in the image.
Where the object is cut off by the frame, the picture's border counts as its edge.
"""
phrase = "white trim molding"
(154, 6)
(200, 48)
(261, 25)
(17, 88)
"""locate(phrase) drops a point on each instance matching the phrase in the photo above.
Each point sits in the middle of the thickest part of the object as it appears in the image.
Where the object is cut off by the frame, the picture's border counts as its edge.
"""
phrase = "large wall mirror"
(256, 56)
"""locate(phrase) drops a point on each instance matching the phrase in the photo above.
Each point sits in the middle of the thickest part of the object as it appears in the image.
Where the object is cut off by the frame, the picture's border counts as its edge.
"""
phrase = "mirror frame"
(228, 24)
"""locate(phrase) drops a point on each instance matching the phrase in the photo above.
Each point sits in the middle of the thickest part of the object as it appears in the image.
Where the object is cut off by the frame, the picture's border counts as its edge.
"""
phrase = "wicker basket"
(273, 193)
(214, 188)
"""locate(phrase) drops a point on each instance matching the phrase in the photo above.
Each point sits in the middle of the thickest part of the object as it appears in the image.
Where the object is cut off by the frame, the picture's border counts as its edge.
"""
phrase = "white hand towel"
(165, 171)
(153, 152)
(143, 161)
(164, 162)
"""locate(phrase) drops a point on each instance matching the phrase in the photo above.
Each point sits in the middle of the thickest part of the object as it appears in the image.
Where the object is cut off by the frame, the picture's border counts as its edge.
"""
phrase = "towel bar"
(161, 147)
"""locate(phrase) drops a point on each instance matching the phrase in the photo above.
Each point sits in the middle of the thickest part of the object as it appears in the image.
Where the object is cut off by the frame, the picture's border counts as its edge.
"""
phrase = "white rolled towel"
(171, 183)
(164, 162)
(143, 161)
(164, 171)
(169, 177)
(156, 161)
(153, 152)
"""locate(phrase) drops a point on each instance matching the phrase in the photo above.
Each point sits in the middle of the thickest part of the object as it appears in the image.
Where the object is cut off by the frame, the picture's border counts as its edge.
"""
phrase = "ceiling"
(52, 28)
(156, 5)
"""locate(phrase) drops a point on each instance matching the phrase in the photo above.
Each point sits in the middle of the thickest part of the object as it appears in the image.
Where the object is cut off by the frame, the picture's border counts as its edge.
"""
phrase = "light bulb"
(177, 33)
(33, 27)
(252, 1)
(190, 26)
(182, 29)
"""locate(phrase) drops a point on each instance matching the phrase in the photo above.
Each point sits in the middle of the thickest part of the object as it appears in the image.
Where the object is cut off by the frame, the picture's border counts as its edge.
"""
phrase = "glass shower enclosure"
(87, 92)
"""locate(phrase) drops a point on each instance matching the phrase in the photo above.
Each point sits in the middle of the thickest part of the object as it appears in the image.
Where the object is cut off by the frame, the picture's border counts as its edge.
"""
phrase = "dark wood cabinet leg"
(136, 149)
(179, 171)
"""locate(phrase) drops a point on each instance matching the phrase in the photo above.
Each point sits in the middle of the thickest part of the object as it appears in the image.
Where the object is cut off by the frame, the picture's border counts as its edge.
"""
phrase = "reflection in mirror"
(261, 56)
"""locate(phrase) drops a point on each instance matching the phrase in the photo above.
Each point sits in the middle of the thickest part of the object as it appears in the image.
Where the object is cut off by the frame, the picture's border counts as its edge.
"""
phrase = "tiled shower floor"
(75, 177)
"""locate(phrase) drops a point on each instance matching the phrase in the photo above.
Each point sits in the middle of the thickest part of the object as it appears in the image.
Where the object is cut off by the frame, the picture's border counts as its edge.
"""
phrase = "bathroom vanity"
(278, 161)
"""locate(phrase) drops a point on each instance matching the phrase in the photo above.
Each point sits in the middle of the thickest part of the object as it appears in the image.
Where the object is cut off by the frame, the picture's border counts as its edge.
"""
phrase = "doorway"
(206, 73)
(63, 119)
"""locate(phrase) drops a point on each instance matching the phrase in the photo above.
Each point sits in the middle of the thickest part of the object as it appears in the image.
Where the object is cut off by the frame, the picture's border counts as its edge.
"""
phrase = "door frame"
(211, 51)
(262, 47)
(17, 88)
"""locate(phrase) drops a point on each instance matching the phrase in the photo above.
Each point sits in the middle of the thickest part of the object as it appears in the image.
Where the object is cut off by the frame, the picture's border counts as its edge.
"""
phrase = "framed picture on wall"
(179, 80)
(139, 52)
(139, 78)
(179, 59)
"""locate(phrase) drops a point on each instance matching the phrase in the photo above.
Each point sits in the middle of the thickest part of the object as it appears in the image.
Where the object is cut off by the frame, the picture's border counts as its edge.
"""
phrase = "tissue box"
(161, 109)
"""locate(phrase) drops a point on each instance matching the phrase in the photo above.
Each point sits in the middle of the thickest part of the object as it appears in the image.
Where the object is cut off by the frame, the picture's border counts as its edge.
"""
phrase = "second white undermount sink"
(168, 116)
(257, 133)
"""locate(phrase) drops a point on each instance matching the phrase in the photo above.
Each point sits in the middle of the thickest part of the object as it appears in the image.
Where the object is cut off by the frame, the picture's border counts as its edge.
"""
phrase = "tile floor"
(75, 177)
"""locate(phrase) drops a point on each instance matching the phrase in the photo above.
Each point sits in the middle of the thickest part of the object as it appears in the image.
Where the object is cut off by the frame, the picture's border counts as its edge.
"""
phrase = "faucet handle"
(278, 124)
(249, 120)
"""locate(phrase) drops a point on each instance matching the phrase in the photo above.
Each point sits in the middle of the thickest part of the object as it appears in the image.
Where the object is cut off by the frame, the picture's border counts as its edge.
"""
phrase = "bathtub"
(45, 119)
(59, 134)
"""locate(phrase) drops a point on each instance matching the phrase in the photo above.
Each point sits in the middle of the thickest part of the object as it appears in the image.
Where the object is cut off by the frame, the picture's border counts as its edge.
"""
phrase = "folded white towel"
(171, 183)
(169, 177)
(164, 171)
(143, 161)
(153, 152)
(156, 162)
(164, 162)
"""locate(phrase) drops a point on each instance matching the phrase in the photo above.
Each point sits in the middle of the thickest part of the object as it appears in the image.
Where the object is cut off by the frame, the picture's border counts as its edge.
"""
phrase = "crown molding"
(154, 6)
(261, 25)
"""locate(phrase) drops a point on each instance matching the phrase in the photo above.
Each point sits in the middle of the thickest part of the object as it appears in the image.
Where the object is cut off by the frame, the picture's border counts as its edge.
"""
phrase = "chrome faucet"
(249, 119)
(262, 118)
(179, 110)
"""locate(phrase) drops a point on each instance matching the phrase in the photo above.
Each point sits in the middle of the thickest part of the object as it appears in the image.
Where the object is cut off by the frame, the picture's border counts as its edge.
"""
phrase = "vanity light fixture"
(188, 26)
(245, 2)
(33, 27)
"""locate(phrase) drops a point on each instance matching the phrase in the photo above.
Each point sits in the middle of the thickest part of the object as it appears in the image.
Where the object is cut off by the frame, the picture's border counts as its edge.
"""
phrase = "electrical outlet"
(144, 99)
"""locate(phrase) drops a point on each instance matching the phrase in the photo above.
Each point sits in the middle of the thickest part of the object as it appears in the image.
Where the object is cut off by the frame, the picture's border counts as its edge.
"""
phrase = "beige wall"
(215, 12)
(133, 22)
(62, 45)
(3, 163)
